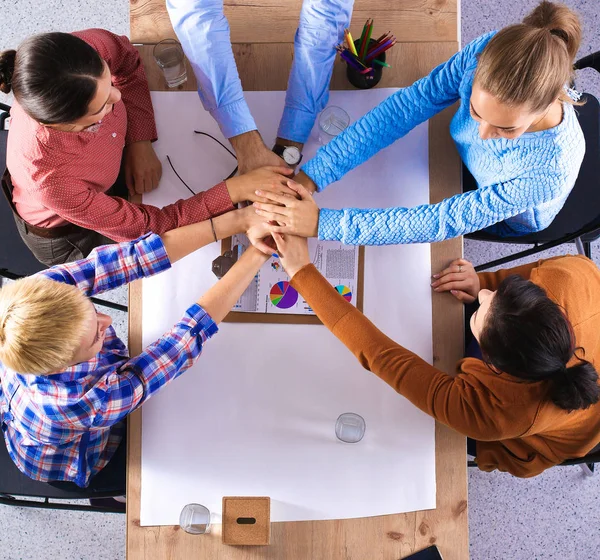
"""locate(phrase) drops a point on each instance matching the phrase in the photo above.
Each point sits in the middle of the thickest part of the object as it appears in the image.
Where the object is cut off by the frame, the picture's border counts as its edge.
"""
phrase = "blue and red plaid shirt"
(67, 426)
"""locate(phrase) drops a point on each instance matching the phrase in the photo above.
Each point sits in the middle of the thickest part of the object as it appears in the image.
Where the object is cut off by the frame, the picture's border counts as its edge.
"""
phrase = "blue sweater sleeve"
(458, 215)
(393, 118)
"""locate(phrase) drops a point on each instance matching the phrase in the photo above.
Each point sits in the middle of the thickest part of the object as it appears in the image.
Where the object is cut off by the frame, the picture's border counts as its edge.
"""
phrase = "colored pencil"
(361, 42)
(364, 60)
(377, 46)
(350, 42)
(380, 50)
(383, 37)
(381, 63)
(368, 38)
(364, 40)
(353, 61)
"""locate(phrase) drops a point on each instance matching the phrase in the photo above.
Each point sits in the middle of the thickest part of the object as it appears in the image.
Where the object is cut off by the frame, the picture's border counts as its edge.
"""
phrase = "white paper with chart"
(271, 292)
(256, 414)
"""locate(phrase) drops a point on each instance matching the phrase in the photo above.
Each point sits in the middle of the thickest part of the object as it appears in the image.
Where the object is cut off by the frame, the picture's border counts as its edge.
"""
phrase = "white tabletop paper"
(255, 415)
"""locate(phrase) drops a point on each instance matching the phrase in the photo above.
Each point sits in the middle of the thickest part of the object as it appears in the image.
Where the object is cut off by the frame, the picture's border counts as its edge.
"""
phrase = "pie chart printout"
(345, 292)
(283, 295)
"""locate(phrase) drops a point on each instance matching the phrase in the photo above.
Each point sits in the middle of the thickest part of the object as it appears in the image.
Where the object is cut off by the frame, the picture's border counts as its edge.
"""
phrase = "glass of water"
(169, 56)
(195, 519)
(350, 427)
(332, 121)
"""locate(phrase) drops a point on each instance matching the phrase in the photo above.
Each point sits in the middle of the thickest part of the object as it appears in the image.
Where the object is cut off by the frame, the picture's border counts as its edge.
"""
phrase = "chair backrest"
(15, 256)
(14, 483)
(592, 457)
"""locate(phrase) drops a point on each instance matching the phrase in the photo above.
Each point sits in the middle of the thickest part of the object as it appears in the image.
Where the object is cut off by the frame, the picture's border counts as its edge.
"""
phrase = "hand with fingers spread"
(142, 167)
(460, 279)
(273, 179)
(293, 216)
(293, 252)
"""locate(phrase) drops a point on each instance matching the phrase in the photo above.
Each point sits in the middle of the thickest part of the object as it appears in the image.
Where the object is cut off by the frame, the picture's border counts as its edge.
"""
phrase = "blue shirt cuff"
(151, 254)
(314, 170)
(234, 118)
(330, 224)
(295, 125)
(205, 326)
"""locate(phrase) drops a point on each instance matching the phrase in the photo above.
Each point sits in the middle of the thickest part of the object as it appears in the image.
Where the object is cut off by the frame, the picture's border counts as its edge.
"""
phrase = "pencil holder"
(365, 81)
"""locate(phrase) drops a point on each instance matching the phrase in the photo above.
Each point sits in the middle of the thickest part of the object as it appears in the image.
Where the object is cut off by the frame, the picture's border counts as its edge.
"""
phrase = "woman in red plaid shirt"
(83, 114)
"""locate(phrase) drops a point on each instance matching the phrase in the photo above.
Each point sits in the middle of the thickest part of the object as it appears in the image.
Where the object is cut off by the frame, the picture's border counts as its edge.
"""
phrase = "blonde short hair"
(41, 324)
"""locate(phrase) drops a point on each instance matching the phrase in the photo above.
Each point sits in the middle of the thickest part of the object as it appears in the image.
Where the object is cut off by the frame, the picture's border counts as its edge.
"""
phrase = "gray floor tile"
(31, 534)
(481, 16)
(551, 516)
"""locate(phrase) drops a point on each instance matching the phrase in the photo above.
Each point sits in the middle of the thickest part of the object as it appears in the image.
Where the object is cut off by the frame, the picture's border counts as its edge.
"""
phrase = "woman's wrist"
(305, 181)
(230, 223)
(233, 188)
(255, 257)
(292, 270)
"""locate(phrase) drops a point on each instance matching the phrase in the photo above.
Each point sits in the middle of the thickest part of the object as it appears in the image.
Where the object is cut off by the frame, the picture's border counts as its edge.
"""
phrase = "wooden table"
(428, 31)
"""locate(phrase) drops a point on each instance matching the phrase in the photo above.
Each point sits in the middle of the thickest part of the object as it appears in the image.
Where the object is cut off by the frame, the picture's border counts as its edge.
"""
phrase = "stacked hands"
(284, 214)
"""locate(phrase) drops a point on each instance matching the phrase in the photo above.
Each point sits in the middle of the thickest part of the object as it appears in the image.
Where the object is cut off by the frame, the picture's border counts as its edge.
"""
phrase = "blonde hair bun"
(529, 64)
(560, 21)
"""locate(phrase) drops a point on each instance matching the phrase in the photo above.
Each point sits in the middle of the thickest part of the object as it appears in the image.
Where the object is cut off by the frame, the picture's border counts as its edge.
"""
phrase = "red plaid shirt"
(61, 177)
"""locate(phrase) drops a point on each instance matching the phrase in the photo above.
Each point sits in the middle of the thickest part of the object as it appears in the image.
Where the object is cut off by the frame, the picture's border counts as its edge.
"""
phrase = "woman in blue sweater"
(515, 129)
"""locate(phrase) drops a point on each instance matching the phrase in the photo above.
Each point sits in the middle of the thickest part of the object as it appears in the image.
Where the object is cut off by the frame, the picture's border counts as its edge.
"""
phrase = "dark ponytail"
(527, 335)
(576, 387)
(53, 76)
(7, 68)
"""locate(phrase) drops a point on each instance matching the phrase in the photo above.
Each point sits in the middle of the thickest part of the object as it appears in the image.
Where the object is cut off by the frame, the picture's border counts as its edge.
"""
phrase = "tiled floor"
(555, 515)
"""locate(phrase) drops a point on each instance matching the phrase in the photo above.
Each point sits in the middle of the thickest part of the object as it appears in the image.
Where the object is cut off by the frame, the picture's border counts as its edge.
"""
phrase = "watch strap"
(278, 149)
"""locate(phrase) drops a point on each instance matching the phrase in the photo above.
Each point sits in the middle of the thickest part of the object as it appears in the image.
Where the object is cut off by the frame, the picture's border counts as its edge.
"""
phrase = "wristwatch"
(290, 154)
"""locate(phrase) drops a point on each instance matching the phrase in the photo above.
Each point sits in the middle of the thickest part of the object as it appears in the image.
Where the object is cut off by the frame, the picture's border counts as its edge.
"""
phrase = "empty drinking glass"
(195, 519)
(169, 56)
(332, 121)
(350, 427)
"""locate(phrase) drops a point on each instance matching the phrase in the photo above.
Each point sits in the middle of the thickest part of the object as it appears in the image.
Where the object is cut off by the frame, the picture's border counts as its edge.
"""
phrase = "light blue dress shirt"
(203, 31)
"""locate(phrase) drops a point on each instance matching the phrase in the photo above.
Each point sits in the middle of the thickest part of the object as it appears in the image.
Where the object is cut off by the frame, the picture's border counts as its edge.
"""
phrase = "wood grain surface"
(388, 537)
(275, 21)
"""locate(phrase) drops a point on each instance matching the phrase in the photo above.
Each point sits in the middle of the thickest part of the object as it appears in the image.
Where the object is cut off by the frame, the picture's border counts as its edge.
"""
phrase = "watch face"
(291, 155)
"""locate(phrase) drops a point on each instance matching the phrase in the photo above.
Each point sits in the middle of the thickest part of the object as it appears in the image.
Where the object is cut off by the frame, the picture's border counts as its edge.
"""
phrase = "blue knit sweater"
(523, 183)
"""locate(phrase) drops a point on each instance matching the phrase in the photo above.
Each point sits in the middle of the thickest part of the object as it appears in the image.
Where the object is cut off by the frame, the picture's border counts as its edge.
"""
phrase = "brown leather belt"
(46, 233)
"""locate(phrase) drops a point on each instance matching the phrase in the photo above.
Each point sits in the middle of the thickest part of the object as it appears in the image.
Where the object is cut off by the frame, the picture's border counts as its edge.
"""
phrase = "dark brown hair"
(529, 64)
(528, 336)
(53, 76)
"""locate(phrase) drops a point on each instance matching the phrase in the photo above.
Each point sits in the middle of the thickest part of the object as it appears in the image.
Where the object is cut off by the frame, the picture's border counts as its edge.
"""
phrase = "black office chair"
(16, 260)
(17, 489)
(579, 219)
(587, 462)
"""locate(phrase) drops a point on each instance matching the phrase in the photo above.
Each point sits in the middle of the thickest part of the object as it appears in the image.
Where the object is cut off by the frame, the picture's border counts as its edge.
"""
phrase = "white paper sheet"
(256, 414)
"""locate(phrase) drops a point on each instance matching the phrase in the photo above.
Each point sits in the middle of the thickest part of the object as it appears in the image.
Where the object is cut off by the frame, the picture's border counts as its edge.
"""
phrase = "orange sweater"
(518, 428)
